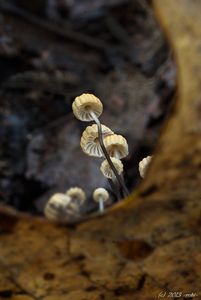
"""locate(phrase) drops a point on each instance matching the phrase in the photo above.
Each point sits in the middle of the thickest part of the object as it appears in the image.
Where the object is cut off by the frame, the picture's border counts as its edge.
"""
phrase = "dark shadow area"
(49, 54)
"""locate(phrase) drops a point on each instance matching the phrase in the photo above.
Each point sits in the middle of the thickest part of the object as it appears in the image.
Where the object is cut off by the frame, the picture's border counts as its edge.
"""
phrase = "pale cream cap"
(106, 169)
(76, 194)
(84, 104)
(90, 142)
(100, 194)
(143, 165)
(55, 208)
(116, 146)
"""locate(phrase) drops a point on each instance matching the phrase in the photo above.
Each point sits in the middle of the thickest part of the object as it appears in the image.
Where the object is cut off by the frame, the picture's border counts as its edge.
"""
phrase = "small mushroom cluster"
(65, 207)
(100, 141)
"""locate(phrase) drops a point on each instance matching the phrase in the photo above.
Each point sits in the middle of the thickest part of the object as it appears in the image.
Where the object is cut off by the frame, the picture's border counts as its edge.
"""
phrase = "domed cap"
(100, 194)
(55, 208)
(143, 165)
(116, 146)
(84, 104)
(76, 194)
(106, 169)
(90, 142)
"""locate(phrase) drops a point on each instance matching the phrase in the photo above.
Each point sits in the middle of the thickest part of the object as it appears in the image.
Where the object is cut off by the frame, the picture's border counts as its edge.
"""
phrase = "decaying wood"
(150, 243)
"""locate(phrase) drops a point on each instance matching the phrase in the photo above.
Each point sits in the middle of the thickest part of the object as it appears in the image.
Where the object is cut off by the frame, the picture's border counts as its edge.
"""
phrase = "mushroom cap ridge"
(116, 146)
(106, 169)
(89, 141)
(84, 104)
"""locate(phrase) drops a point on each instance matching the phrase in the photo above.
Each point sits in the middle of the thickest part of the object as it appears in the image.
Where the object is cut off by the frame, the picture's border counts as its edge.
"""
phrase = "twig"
(65, 33)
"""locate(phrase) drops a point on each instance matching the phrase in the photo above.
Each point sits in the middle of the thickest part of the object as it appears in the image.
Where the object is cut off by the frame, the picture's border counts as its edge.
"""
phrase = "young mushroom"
(100, 195)
(106, 169)
(77, 196)
(116, 146)
(90, 140)
(86, 107)
(143, 165)
(60, 208)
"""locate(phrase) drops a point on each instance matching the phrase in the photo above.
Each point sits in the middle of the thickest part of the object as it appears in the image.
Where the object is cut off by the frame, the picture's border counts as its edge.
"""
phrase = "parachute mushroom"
(86, 107)
(106, 169)
(55, 207)
(77, 195)
(116, 146)
(100, 195)
(90, 143)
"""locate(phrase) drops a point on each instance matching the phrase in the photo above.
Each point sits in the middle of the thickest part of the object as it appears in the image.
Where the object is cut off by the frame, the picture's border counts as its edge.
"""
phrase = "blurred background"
(52, 51)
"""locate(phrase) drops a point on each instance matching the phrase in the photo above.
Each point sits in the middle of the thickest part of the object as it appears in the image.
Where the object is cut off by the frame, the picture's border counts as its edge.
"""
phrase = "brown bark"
(148, 244)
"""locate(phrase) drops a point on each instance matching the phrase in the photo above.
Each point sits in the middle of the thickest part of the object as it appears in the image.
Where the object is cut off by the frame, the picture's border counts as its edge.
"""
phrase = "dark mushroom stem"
(100, 136)
(121, 175)
(116, 188)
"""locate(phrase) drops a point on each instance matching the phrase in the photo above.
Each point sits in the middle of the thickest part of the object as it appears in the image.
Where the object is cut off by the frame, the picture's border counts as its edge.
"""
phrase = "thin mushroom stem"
(101, 205)
(112, 184)
(117, 187)
(118, 177)
(116, 154)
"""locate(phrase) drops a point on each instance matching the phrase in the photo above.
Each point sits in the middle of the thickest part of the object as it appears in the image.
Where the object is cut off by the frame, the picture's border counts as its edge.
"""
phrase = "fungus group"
(65, 207)
(99, 141)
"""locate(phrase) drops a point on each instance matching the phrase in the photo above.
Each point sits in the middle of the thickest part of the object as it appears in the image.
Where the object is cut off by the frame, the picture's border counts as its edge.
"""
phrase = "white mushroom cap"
(76, 194)
(143, 165)
(116, 146)
(100, 194)
(84, 104)
(106, 169)
(55, 208)
(89, 141)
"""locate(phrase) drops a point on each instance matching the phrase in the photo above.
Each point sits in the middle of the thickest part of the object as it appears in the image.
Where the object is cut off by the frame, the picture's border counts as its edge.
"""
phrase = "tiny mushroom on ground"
(101, 195)
(77, 195)
(55, 208)
(60, 208)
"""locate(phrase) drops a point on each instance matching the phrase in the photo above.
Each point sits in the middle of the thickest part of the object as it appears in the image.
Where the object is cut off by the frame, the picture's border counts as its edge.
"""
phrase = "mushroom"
(59, 208)
(55, 207)
(106, 169)
(90, 143)
(100, 195)
(77, 195)
(143, 165)
(86, 107)
(116, 146)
